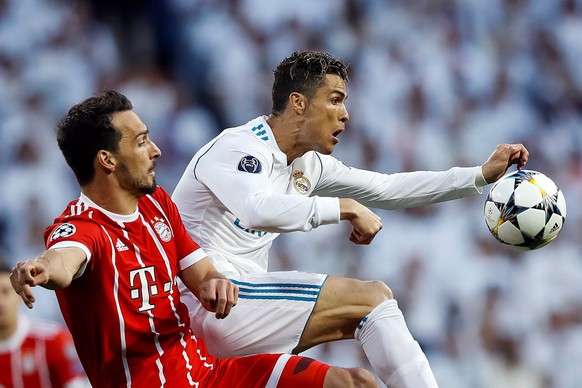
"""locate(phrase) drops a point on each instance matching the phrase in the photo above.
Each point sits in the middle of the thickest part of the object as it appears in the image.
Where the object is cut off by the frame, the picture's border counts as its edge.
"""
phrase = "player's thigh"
(270, 316)
(342, 304)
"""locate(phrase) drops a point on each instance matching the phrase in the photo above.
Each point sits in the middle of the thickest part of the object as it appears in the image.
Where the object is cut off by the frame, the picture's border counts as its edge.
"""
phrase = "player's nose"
(344, 115)
(156, 152)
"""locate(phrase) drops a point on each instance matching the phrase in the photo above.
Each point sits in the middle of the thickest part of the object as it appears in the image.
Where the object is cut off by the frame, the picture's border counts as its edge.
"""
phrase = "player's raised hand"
(365, 223)
(25, 275)
(503, 157)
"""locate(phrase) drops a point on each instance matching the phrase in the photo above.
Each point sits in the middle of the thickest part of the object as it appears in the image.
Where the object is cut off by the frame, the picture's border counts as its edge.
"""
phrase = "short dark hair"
(304, 72)
(87, 129)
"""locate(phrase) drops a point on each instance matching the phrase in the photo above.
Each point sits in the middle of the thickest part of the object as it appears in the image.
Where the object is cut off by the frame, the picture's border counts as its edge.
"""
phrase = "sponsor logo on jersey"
(250, 164)
(162, 229)
(239, 224)
(301, 184)
(64, 230)
(120, 246)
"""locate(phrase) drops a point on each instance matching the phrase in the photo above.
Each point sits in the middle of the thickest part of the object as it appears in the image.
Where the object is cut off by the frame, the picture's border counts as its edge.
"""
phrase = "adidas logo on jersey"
(120, 246)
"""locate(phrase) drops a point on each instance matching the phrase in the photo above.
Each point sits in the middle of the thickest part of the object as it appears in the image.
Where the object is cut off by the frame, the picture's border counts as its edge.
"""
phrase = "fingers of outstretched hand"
(21, 280)
(502, 158)
(513, 154)
(519, 155)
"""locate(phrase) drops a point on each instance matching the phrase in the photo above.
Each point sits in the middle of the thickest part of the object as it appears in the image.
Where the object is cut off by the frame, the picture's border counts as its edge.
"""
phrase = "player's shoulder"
(313, 160)
(77, 214)
(249, 137)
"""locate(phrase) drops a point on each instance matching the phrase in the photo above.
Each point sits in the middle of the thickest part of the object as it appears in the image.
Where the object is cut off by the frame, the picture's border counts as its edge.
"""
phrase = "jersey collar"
(121, 218)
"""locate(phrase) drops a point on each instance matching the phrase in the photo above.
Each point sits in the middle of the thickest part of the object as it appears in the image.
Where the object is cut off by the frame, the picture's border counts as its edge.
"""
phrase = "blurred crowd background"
(433, 84)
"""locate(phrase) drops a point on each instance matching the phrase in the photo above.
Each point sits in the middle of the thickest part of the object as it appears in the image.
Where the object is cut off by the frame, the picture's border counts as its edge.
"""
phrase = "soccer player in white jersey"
(114, 256)
(275, 175)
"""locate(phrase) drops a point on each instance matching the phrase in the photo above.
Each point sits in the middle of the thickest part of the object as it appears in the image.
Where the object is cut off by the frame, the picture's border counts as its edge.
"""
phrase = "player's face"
(326, 115)
(136, 157)
(9, 303)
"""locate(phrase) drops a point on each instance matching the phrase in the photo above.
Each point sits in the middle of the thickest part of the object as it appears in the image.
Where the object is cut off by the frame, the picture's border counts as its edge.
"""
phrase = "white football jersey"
(238, 193)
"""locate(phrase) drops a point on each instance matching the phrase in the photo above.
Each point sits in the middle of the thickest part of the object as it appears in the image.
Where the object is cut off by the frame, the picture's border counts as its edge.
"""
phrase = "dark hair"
(304, 72)
(87, 129)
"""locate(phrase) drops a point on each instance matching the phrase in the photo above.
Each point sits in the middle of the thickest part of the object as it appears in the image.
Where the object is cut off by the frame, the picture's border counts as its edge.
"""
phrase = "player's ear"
(298, 102)
(106, 160)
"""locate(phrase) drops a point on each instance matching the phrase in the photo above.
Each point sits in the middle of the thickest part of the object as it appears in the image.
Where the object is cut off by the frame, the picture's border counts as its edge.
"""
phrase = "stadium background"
(433, 84)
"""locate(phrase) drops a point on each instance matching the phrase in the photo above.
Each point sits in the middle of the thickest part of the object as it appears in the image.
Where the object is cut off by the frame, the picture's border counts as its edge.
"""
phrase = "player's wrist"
(480, 180)
(347, 208)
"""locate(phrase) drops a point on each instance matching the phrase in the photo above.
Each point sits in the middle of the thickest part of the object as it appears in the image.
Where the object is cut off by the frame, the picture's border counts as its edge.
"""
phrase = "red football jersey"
(124, 309)
(39, 354)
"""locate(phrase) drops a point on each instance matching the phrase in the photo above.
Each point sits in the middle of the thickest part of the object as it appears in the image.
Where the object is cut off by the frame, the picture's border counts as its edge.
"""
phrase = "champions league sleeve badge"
(250, 164)
(64, 230)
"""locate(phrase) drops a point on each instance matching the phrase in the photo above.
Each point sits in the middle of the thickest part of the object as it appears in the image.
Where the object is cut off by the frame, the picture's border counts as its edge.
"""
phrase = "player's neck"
(286, 131)
(113, 199)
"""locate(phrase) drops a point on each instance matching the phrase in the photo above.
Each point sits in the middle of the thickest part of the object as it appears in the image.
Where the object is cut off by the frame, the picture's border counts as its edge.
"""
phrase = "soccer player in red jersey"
(34, 353)
(114, 257)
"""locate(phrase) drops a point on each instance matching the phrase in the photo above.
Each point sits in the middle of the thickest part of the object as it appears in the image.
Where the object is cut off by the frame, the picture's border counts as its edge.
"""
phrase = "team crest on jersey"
(250, 164)
(64, 230)
(301, 184)
(162, 229)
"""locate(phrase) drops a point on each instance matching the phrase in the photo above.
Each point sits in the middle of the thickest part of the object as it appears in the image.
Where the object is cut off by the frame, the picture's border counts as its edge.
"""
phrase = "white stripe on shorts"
(277, 371)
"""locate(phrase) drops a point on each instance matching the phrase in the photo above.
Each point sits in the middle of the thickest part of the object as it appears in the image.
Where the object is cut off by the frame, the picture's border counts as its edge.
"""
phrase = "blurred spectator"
(34, 353)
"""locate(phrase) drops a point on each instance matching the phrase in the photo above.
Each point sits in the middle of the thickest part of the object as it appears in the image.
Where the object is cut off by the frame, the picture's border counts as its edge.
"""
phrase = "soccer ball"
(525, 210)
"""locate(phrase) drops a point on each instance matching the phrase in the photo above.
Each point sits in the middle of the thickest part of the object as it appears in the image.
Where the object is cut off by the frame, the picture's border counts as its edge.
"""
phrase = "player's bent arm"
(257, 203)
(53, 269)
(216, 293)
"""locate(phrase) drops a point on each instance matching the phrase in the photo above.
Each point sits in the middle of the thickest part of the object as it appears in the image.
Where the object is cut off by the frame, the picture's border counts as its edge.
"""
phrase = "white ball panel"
(502, 190)
(527, 194)
(492, 214)
(531, 221)
(545, 184)
(509, 234)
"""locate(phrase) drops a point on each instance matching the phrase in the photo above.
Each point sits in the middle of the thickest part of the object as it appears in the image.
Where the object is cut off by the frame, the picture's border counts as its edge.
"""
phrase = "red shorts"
(267, 371)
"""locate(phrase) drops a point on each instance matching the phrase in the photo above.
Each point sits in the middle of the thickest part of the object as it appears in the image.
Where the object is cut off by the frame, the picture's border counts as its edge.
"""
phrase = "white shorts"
(270, 315)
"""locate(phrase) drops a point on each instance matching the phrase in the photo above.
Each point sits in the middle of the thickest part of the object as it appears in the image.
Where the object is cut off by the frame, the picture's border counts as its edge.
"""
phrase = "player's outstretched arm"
(53, 269)
(503, 157)
(214, 290)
